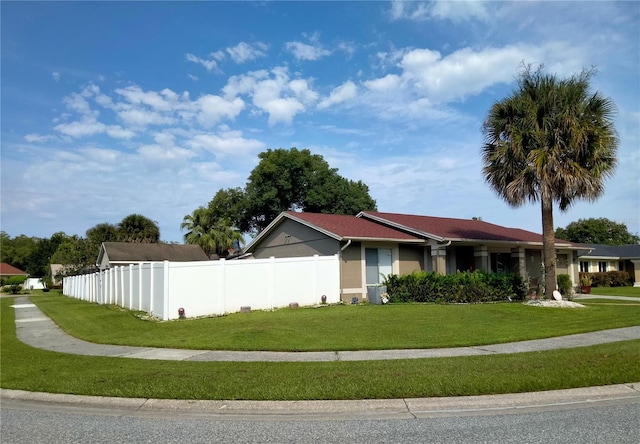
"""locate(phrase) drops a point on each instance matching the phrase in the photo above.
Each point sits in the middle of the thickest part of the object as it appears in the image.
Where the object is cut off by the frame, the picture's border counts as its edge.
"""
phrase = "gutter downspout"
(344, 247)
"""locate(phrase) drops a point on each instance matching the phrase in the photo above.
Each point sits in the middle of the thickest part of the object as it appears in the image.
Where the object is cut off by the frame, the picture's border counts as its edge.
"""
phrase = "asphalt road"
(614, 421)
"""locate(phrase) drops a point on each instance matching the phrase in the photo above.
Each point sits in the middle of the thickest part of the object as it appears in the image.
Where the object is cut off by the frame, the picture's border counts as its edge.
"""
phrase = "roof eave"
(384, 221)
(384, 239)
(518, 242)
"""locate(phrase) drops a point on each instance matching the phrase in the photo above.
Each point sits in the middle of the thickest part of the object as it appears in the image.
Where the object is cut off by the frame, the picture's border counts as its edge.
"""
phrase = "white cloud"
(243, 52)
(226, 143)
(459, 11)
(78, 102)
(56, 76)
(456, 11)
(401, 9)
(163, 101)
(88, 126)
(210, 65)
(140, 117)
(212, 109)
(117, 132)
(244, 83)
(301, 89)
(465, 72)
(348, 48)
(387, 83)
(342, 93)
(38, 138)
(161, 154)
(101, 155)
(302, 51)
(282, 110)
(273, 92)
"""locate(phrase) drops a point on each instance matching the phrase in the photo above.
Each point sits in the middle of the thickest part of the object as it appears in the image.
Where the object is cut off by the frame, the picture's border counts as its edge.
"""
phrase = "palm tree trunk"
(548, 245)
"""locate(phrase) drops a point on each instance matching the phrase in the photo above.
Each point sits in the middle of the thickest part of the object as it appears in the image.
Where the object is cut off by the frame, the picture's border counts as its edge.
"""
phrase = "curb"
(407, 408)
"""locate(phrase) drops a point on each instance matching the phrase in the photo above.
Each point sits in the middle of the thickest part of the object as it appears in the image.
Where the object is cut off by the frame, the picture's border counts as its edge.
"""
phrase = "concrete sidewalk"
(34, 328)
(37, 330)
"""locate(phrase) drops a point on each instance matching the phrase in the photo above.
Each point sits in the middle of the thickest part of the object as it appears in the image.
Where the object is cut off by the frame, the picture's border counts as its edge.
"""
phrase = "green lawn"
(336, 328)
(616, 291)
(27, 368)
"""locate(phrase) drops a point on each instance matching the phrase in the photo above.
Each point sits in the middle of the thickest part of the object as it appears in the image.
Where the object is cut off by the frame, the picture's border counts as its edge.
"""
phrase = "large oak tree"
(292, 179)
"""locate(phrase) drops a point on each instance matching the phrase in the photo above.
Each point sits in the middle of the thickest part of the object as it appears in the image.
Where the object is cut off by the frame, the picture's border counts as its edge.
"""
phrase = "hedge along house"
(603, 258)
(373, 245)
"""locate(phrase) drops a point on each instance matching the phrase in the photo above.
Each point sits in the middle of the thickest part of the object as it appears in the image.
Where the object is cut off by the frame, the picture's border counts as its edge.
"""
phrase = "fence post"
(151, 288)
(316, 272)
(222, 292)
(165, 292)
(139, 285)
(130, 286)
(121, 286)
(272, 280)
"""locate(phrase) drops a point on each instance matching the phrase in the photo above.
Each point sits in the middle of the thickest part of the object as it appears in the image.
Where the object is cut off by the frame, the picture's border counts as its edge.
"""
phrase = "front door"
(379, 265)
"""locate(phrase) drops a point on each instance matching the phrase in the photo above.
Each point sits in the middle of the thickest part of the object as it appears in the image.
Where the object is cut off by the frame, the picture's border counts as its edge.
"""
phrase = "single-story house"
(7, 271)
(114, 254)
(603, 258)
(372, 245)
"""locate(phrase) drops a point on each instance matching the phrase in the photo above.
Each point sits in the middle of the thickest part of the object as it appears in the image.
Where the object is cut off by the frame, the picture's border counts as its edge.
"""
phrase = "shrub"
(15, 280)
(565, 286)
(462, 287)
(611, 279)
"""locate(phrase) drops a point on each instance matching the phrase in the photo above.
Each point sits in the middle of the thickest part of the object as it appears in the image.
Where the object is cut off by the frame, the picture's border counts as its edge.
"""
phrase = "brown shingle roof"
(350, 227)
(447, 228)
(133, 252)
(10, 270)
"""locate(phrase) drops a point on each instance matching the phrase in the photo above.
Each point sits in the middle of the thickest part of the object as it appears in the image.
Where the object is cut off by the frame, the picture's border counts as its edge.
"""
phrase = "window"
(621, 266)
(584, 267)
(378, 264)
(602, 266)
(501, 262)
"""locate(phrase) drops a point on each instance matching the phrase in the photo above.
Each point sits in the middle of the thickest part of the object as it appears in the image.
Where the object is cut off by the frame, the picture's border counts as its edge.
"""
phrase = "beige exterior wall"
(351, 273)
(411, 259)
(291, 239)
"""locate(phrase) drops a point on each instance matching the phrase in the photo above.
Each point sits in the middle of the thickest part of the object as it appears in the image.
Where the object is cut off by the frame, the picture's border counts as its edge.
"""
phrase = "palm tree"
(212, 236)
(551, 141)
(225, 236)
(198, 225)
(139, 229)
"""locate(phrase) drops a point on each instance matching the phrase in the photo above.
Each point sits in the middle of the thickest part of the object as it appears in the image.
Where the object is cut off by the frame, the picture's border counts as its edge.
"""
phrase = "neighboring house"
(7, 271)
(58, 271)
(33, 284)
(373, 245)
(603, 258)
(122, 253)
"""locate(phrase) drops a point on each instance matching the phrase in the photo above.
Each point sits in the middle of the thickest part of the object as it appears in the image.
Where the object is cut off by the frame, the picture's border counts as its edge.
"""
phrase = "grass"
(32, 369)
(616, 291)
(363, 327)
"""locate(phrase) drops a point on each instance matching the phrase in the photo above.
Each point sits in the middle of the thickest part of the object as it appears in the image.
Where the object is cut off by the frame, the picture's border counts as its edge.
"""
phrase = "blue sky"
(113, 108)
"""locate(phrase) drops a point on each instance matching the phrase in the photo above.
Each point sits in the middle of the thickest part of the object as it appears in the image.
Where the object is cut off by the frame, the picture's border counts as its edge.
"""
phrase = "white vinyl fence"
(211, 287)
